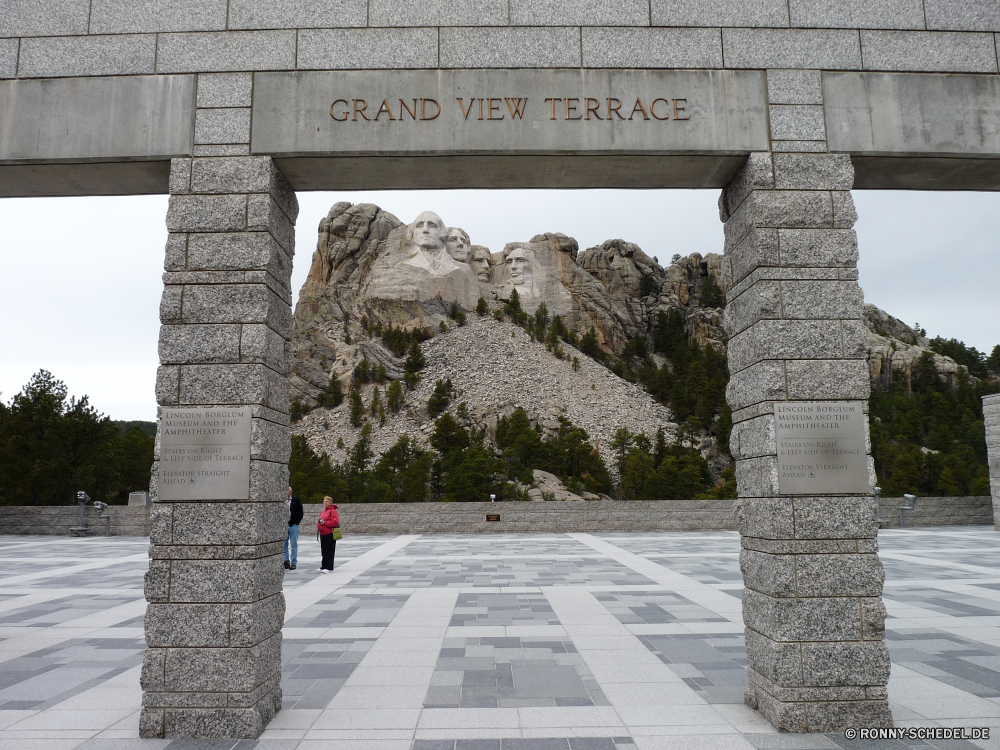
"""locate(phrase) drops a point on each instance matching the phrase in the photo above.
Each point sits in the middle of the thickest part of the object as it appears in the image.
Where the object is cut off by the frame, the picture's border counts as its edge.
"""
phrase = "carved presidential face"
(479, 259)
(458, 244)
(518, 267)
(428, 231)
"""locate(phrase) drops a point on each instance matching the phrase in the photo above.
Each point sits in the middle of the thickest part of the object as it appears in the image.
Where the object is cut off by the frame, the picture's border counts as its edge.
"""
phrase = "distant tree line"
(464, 467)
(929, 438)
(52, 446)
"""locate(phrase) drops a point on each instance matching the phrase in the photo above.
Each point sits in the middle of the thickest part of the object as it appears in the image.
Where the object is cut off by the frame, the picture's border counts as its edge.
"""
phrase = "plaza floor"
(621, 641)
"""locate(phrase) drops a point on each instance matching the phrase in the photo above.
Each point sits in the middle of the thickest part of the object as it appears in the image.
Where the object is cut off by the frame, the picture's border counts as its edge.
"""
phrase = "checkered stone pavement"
(506, 642)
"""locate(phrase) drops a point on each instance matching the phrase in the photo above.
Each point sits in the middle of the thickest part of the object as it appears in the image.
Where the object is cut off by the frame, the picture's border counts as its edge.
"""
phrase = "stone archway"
(784, 120)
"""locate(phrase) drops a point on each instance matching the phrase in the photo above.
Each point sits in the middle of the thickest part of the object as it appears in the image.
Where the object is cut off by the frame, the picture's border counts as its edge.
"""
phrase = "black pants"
(328, 548)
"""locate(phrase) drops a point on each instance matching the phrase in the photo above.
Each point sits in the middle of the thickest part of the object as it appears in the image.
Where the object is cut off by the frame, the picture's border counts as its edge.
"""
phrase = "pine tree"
(333, 395)
(439, 400)
(541, 319)
(590, 346)
(394, 396)
(481, 307)
(993, 362)
(620, 444)
(415, 360)
(357, 414)
(376, 403)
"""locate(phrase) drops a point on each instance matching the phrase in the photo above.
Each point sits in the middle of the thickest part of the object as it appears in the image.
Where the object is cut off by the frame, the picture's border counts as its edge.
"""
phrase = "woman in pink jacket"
(329, 519)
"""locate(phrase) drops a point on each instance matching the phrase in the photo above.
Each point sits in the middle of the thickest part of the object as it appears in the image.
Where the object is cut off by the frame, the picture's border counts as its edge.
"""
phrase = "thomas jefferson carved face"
(428, 231)
(479, 259)
(458, 244)
(518, 267)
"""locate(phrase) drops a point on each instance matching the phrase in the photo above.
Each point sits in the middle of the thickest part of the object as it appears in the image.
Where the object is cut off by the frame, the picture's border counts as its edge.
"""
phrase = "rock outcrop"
(371, 269)
(894, 348)
(495, 368)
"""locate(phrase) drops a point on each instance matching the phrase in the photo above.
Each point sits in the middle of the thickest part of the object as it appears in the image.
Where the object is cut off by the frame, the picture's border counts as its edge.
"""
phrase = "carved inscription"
(204, 454)
(474, 109)
(821, 447)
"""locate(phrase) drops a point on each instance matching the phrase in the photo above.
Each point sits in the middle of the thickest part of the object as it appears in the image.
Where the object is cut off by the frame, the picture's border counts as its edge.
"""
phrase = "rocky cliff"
(372, 269)
(494, 368)
(894, 348)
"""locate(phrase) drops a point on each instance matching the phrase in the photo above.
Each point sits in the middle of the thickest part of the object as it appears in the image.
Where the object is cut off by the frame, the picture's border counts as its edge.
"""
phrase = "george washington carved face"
(428, 231)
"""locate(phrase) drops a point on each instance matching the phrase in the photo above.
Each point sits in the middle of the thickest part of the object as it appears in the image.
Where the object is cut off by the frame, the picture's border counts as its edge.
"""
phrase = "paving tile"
(492, 662)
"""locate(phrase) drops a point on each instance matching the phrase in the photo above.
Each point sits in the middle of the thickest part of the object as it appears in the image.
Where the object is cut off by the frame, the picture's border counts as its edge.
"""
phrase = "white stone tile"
(401, 659)
(387, 643)
(283, 734)
(49, 743)
(339, 735)
(365, 674)
(440, 718)
(477, 631)
(639, 694)
(13, 717)
(367, 718)
(45, 734)
(630, 672)
(570, 716)
(692, 715)
(70, 720)
(294, 718)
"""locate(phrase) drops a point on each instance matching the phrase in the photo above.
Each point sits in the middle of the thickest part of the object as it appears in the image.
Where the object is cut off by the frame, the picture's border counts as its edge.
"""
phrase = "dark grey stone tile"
(477, 745)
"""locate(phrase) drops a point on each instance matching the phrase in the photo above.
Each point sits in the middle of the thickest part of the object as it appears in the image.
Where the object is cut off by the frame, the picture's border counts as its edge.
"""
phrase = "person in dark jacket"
(292, 540)
(329, 519)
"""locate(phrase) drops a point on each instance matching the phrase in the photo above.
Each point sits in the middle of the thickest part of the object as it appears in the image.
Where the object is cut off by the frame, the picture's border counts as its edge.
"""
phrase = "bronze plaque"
(821, 448)
(204, 453)
(492, 516)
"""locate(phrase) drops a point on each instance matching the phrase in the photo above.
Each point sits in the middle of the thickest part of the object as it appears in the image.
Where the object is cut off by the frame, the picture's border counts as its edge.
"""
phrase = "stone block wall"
(976, 510)
(52, 38)
(991, 412)
(57, 520)
(515, 518)
(528, 517)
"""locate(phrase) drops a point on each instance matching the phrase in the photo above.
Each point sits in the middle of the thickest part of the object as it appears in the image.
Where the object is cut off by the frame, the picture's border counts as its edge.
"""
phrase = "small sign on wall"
(821, 447)
(204, 453)
(492, 516)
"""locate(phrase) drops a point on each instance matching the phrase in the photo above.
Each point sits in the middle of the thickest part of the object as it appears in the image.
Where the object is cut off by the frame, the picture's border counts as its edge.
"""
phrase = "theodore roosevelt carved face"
(479, 259)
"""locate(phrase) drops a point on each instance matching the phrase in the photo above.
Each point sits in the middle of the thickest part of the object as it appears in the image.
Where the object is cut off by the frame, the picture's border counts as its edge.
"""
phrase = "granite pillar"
(813, 581)
(212, 666)
(991, 414)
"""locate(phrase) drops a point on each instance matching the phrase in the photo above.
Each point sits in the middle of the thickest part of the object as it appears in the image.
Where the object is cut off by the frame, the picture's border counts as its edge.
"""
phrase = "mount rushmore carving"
(369, 265)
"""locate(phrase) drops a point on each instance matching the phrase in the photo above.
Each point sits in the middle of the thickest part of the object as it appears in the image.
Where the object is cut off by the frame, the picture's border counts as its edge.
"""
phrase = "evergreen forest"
(52, 445)
(928, 436)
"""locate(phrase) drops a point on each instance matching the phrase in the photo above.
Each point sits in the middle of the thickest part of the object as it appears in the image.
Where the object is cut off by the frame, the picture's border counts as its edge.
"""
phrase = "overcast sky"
(81, 277)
